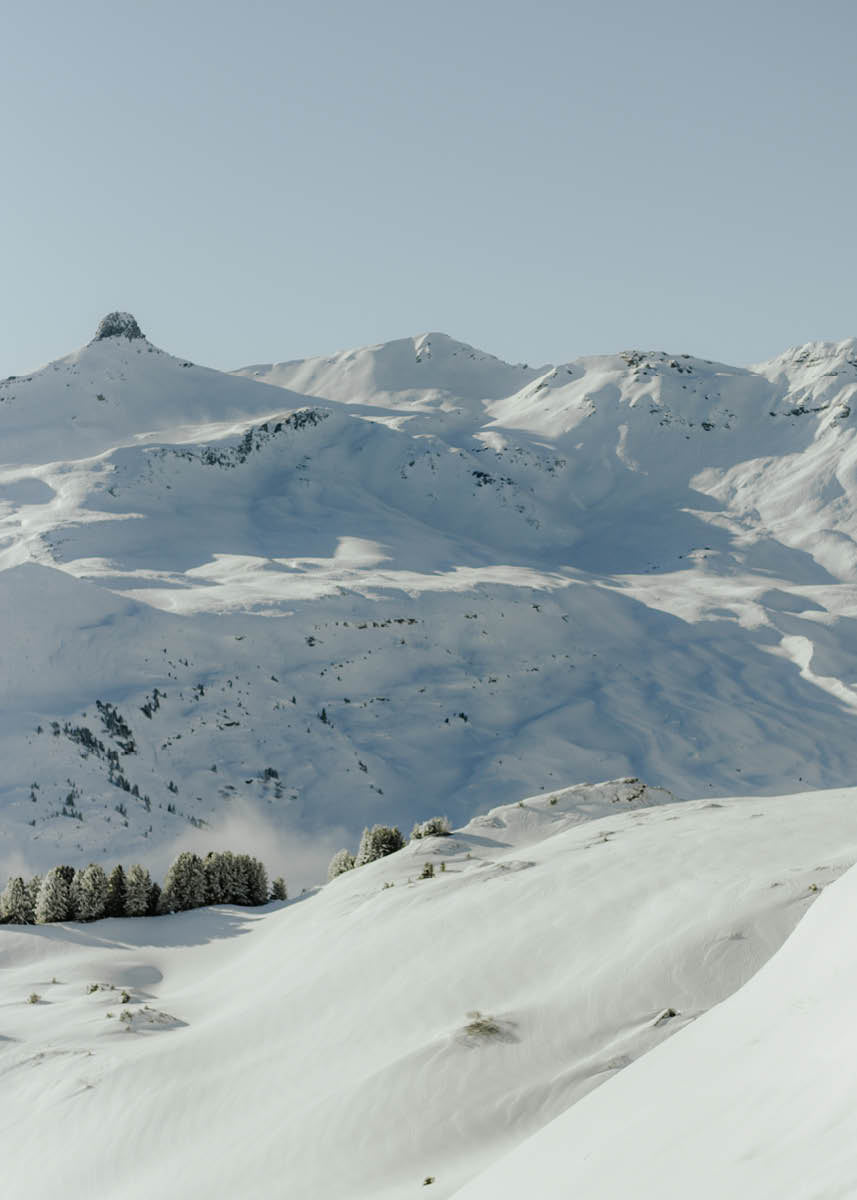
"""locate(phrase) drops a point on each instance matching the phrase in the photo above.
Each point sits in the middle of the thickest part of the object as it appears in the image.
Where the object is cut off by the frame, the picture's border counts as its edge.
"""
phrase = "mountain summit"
(118, 324)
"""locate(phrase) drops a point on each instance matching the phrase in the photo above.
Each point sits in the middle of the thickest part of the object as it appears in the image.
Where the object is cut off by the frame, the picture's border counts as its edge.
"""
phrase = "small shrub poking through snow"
(428, 871)
(480, 1025)
(33, 998)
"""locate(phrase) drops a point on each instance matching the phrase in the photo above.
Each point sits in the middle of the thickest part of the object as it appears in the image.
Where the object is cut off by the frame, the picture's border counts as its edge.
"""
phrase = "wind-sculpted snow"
(756, 1099)
(393, 1028)
(485, 576)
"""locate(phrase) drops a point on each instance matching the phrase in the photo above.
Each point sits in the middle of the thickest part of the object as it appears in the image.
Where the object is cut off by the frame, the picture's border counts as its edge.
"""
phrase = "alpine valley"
(265, 609)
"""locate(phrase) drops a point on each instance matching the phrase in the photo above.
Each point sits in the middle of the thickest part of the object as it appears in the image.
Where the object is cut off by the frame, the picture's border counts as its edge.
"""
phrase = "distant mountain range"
(410, 579)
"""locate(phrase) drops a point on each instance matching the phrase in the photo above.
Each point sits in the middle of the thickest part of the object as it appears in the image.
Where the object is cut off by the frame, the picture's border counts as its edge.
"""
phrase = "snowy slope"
(755, 1100)
(324, 1049)
(430, 583)
(114, 390)
(431, 370)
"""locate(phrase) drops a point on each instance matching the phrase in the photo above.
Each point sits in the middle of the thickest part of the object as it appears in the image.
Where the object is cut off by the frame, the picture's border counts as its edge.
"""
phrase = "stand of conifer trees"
(87, 894)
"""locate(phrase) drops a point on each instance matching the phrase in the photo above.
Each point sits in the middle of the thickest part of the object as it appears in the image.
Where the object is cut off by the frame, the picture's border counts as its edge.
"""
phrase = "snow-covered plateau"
(262, 610)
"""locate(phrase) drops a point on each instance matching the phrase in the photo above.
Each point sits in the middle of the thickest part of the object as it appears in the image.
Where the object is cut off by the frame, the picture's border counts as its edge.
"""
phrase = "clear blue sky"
(269, 180)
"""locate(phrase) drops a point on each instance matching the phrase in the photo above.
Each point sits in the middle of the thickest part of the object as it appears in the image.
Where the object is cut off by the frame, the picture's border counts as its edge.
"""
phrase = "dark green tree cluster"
(377, 842)
(88, 893)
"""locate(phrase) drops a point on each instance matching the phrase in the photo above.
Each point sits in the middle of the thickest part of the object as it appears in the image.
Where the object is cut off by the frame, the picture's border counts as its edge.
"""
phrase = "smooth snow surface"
(489, 578)
(368, 1036)
(756, 1100)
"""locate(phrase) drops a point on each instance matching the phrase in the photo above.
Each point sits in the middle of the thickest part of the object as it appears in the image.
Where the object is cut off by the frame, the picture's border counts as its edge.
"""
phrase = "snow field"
(325, 1046)
(756, 1099)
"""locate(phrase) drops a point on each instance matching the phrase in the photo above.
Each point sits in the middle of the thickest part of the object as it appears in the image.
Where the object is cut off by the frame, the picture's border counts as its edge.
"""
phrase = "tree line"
(89, 893)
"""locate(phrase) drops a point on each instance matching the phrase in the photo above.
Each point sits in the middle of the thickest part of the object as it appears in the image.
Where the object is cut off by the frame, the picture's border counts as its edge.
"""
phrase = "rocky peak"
(118, 324)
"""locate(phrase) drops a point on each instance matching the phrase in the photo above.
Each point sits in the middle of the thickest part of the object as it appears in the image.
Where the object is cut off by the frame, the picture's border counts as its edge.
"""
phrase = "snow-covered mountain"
(425, 581)
(261, 610)
(393, 1033)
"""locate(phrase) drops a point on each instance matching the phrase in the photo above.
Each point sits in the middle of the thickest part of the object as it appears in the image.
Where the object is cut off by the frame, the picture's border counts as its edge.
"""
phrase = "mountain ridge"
(634, 564)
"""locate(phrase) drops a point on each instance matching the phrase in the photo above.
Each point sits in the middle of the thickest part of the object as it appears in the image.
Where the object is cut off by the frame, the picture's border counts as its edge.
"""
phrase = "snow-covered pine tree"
(75, 898)
(184, 885)
(89, 893)
(53, 902)
(257, 882)
(278, 889)
(240, 893)
(212, 867)
(15, 906)
(378, 842)
(433, 827)
(219, 876)
(138, 887)
(154, 906)
(33, 892)
(342, 861)
(116, 904)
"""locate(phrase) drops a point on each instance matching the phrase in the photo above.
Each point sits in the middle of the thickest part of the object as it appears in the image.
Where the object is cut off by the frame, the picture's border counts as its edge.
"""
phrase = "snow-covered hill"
(427, 581)
(116, 389)
(755, 1100)
(392, 1032)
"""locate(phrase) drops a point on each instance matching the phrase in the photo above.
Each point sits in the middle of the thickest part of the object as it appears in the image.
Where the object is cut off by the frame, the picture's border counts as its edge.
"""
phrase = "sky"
(547, 179)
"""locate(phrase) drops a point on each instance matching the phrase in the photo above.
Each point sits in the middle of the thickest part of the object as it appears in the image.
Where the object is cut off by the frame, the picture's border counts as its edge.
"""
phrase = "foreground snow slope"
(756, 1100)
(324, 1050)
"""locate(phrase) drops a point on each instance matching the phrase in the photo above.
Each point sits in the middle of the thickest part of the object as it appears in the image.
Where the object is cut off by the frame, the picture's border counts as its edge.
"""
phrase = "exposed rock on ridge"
(118, 324)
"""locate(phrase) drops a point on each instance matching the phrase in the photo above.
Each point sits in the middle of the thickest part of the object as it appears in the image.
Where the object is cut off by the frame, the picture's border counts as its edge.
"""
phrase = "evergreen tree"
(75, 899)
(184, 885)
(240, 893)
(212, 865)
(278, 889)
(89, 893)
(378, 842)
(15, 906)
(257, 882)
(117, 894)
(33, 893)
(137, 887)
(153, 908)
(219, 876)
(342, 861)
(54, 901)
(433, 827)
